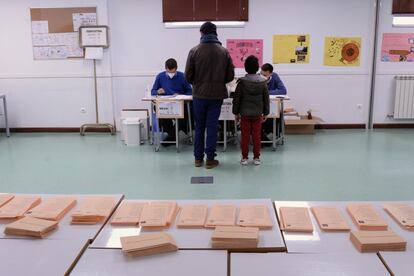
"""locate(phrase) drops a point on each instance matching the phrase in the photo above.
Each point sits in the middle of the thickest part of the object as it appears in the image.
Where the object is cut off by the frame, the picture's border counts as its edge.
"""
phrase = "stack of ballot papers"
(330, 219)
(53, 208)
(295, 219)
(375, 241)
(128, 213)
(366, 217)
(222, 215)
(192, 216)
(5, 198)
(403, 214)
(255, 216)
(18, 206)
(148, 244)
(32, 227)
(93, 210)
(158, 214)
(228, 237)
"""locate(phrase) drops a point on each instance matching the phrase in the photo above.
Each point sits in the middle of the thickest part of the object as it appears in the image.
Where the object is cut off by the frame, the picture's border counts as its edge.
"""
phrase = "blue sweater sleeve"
(277, 87)
(188, 90)
(156, 86)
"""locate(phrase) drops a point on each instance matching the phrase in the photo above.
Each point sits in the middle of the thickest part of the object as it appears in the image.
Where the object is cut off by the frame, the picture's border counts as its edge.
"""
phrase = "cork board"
(55, 31)
(60, 19)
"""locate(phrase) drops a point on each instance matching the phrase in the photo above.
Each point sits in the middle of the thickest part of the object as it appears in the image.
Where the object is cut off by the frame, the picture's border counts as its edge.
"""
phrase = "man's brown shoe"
(198, 163)
(211, 164)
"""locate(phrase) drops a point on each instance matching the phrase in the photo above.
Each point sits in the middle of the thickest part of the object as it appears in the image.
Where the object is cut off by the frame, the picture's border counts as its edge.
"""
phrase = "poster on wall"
(342, 51)
(240, 49)
(397, 47)
(291, 48)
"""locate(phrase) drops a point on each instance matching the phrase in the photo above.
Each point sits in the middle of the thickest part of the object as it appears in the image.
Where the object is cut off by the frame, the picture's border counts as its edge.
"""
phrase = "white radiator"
(404, 97)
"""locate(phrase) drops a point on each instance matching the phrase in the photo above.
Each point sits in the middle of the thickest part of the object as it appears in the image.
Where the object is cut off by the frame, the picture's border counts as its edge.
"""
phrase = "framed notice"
(169, 109)
(274, 111)
(226, 113)
(94, 36)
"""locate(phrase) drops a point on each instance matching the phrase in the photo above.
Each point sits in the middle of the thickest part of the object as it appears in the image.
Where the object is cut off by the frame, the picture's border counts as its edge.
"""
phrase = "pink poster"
(240, 49)
(397, 47)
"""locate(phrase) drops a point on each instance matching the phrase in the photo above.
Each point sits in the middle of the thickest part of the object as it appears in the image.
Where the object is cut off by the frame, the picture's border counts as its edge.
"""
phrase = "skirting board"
(52, 129)
(340, 126)
(397, 125)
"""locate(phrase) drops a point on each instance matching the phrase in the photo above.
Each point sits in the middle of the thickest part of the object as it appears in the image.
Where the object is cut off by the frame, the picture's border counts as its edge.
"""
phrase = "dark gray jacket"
(209, 67)
(251, 97)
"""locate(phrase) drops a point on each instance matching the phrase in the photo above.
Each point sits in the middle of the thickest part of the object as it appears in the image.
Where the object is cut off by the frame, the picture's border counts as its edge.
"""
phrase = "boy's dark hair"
(251, 64)
(267, 67)
(208, 28)
(171, 64)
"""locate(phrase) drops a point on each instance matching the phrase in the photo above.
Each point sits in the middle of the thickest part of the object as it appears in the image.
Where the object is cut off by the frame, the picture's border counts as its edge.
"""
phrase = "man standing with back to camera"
(209, 67)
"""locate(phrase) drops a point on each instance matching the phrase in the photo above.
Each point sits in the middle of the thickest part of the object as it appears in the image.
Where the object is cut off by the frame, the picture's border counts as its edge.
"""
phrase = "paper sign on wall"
(342, 51)
(291, 48)
(397, 47)
(40, 27)
(94, 53)
(83, 19)
(240, 49)
(274, 108)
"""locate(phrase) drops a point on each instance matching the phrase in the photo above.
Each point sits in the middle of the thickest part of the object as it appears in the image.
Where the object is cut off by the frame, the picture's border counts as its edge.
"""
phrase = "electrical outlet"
(359, 106)
(82, 110)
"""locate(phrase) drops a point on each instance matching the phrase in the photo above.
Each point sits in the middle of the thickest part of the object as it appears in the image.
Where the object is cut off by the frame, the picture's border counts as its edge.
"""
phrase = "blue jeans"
(206, 115)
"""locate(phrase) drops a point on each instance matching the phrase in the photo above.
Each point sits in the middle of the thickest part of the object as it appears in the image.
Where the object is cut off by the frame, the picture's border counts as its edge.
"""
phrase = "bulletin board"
(55, 31)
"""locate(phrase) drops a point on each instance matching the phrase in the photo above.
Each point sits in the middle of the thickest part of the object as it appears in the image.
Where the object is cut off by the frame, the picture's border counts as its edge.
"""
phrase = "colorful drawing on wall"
(291, 48)
(397, 47)
(342, 51)
(240, 49)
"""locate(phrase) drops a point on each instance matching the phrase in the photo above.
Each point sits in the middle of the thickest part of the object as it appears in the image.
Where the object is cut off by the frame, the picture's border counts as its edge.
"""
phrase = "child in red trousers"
(251, 107)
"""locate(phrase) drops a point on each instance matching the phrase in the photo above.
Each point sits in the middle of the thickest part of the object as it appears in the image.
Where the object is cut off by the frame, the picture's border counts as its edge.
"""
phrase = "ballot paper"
(128, 213)
(403, 214)
(148, 244)
(375, 241)
(192, 216)
(32, 227)
(330, 219)
(222, 215)
(5, 198)
(54, 208)
(94, 209)
(228, 237)
(295, 219)
(255, 216)
(93, 53)
(18, 206)
(158, 214)
(366, 217)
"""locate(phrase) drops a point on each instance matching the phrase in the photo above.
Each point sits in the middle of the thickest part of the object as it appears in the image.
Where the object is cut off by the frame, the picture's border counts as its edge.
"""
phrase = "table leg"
(274, 135)
(157, 141)
(5, 117)
(189, 122)
(282, 122)
(176, 135)
(224, 135)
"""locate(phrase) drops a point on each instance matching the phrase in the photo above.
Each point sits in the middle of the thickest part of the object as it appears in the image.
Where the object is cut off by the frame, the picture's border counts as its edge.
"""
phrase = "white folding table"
(181, 263)
(6, 121)
(399, 263)
(334, 242)
(20, 257)
(65, 230)
(269, 240)
(292, 264)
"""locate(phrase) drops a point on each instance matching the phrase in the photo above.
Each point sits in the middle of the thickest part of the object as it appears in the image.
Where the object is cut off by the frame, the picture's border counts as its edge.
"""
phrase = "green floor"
(331, 165)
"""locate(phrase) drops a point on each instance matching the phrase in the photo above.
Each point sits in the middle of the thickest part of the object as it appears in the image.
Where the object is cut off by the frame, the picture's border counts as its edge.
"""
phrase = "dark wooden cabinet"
(403, 7)
(205, 10)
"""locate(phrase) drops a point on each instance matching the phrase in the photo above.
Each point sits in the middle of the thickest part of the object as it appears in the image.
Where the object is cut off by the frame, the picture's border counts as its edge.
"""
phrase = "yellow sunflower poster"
(342, 51)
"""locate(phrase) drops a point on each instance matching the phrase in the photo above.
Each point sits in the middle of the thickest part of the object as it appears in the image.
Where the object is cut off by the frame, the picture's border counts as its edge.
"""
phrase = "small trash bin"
(131, 128)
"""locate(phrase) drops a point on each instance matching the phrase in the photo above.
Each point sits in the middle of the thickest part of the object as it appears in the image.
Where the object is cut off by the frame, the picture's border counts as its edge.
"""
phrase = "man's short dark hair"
(171, 64)
(251, 64)
(267, 67)
(208, 28)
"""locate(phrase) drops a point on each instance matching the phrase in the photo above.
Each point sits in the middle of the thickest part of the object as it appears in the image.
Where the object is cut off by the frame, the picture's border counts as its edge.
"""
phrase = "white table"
(400, 263)
(3, 97)
(38, 257)
(153, 99)
(290, 264)
(334, 242)
(269, 240)
(181, 263)
(66, 231)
